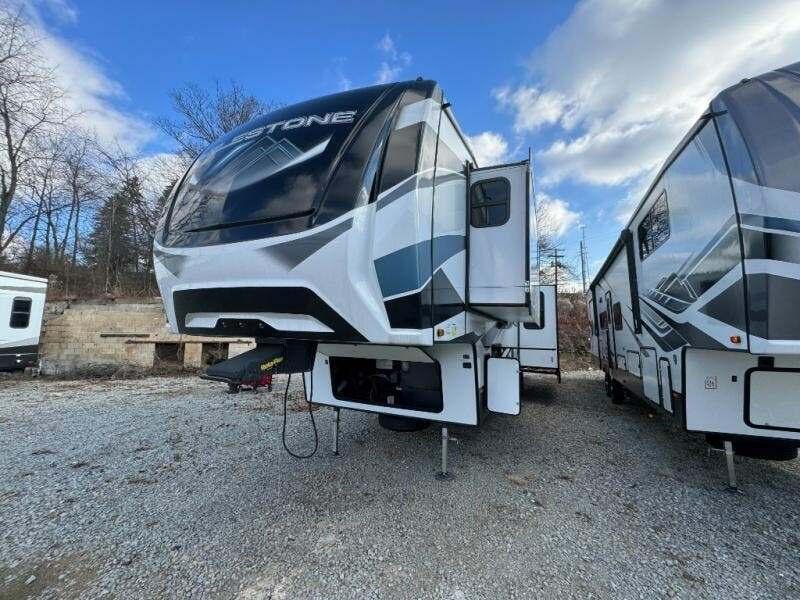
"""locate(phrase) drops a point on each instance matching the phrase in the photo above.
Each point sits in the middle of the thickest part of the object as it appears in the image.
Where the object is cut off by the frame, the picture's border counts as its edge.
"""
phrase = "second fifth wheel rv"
(695, 309)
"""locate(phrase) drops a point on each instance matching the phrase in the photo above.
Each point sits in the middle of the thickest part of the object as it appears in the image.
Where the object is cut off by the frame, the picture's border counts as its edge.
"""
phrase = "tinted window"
(541, 315)
(654, 228)
(20, 313)
(702, 240)
(616, 311)
(490, 203)
(274, 169)
(402, 151)
(603, 320)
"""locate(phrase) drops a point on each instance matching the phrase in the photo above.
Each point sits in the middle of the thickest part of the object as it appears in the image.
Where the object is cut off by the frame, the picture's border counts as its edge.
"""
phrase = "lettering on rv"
(334, 118)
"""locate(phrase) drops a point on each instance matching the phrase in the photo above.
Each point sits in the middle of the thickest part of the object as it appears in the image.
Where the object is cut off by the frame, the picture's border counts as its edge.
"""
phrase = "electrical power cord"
(310, 414)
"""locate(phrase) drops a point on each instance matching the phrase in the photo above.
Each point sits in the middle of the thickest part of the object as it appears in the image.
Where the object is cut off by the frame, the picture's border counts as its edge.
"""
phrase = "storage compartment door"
(502, 386)
(665, 376)
(772, 399)
(499, 265)
(649, 366)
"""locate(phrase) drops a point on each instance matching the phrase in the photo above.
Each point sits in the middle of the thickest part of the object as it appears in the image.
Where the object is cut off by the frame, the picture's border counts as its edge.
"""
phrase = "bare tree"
(41, 186)
(30, 107)
(550, 261)
(203, 116)
(82, 182)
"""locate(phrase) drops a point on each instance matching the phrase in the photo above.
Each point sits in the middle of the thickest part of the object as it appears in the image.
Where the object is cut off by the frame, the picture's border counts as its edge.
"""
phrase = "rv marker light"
(736, 339)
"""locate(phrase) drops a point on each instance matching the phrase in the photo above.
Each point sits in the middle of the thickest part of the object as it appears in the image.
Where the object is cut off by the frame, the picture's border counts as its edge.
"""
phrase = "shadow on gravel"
(68, 575)
(537, 391)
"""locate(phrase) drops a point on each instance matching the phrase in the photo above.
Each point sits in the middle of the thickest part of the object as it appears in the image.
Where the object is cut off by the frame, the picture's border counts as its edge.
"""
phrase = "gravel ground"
(167, 487)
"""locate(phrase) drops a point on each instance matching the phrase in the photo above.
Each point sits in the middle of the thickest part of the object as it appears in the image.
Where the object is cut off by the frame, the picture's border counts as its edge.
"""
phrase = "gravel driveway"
(169, 487)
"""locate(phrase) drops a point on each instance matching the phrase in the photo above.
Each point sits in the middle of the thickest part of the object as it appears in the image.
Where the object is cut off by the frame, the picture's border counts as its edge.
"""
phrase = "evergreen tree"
(111, 248)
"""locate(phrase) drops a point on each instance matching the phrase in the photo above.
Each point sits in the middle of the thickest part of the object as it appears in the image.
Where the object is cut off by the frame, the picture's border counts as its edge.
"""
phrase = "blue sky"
(600, 89)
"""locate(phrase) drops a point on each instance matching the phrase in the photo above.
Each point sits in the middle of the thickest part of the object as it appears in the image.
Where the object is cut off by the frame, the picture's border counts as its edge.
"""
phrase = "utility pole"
(584, 258)
(556, 258)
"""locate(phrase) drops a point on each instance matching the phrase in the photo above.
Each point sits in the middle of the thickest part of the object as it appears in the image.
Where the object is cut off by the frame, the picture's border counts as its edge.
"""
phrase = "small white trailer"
(22, 300)
(535, 345)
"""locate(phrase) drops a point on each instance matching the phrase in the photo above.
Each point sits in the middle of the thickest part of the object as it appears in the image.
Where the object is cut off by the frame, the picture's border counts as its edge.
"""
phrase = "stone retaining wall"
(89, 335)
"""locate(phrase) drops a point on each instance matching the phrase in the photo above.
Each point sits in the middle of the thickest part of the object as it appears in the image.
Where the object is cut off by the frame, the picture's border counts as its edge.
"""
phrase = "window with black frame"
(489, 203)
(20, 313)
(616, 312)
(654, 229)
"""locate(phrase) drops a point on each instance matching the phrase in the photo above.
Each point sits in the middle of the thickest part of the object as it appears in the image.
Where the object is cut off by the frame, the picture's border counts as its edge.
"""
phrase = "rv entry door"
(499, 243)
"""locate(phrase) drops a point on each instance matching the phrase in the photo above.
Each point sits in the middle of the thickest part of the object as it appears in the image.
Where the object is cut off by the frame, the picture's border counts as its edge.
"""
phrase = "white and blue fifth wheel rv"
(22, 299)
(695, 309)
(357, 240)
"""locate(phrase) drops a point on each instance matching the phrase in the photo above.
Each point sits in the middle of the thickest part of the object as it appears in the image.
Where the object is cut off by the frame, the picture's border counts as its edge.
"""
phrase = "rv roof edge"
(23, 277)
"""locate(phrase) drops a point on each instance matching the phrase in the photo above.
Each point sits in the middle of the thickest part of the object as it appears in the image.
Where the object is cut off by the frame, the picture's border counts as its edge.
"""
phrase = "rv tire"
(617, 392)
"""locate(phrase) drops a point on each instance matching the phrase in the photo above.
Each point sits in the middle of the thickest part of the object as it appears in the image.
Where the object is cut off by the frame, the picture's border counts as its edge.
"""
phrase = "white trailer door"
(502, 386)
(499, 244)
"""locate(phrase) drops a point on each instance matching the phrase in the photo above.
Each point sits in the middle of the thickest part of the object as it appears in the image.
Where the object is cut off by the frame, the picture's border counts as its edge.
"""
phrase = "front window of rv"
(268, 177)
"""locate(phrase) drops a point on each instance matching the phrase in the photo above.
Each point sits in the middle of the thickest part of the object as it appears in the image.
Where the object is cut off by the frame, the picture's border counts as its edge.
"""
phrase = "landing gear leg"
(444, 474)
(336, 432)
(731, 466)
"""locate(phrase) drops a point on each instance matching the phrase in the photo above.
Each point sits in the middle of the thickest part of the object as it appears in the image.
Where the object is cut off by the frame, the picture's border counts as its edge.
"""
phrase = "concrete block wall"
(86, 335)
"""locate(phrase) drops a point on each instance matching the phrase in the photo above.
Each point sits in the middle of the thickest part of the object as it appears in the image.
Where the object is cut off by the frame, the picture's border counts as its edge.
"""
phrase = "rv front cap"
(334, 118)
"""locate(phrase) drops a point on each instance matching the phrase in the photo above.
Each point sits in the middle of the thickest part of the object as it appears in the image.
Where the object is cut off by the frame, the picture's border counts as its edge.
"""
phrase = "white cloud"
(387, 73)
(61, 9)
(532, 107)
(555, 214)
(388, 47)
(634, 192)
(90, 91)
(337, 72)
(395, 62)
(344, 83)
(490, 148)
(156, 171)
(622, 81)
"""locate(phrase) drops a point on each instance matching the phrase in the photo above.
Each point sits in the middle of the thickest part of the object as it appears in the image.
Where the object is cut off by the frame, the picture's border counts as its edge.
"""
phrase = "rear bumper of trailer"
(18, 357)
(742, 394)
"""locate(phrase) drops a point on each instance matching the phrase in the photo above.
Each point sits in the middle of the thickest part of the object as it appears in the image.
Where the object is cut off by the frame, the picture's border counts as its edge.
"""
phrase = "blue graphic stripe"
(410, 267)
(778, 223)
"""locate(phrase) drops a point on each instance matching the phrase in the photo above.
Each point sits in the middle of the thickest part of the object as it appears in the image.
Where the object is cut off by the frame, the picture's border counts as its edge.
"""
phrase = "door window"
(489, 202)
(616, 312)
